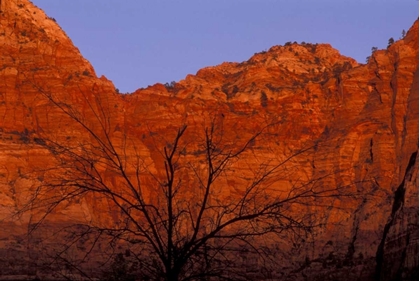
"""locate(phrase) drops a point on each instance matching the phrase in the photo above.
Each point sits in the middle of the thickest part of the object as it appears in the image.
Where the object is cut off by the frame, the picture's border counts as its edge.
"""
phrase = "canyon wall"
(360, 121)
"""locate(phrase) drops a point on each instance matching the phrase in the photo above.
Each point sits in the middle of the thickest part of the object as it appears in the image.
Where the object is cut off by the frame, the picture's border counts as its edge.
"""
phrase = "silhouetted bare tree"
(192, 212)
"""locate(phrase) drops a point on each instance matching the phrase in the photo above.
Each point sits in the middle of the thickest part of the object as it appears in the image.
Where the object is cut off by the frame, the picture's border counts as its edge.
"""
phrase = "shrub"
(390, 42)
(170, 85)
(263, 99)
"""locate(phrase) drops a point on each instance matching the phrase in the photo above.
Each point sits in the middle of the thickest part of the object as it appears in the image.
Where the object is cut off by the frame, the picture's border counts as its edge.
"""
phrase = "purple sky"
(138, 43)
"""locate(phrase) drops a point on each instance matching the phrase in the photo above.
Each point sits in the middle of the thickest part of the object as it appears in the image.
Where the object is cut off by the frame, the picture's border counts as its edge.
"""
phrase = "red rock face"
(361, 121)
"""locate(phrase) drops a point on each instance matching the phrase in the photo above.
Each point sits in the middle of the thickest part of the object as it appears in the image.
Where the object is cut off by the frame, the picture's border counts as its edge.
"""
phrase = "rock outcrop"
(361, 121)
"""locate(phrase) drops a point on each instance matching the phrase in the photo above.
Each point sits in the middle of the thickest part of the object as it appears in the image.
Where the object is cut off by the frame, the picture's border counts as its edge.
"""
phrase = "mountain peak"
(25, 30)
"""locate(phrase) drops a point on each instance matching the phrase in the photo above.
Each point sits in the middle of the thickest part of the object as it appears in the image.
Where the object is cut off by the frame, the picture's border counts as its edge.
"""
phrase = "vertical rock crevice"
(396, 206)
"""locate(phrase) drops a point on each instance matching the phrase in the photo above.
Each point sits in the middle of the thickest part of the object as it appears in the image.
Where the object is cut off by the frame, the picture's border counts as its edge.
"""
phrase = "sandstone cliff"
(361, 119)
